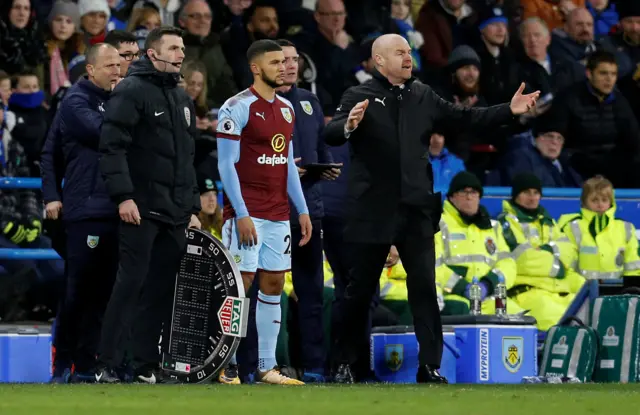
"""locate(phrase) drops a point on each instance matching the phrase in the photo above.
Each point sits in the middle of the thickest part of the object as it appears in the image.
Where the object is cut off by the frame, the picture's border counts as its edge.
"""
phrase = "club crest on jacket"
(306, 107)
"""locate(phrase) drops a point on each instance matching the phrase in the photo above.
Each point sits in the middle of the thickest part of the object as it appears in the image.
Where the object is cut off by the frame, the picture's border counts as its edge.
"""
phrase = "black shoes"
(105, 374)
(427, 374)
(153, 375)
(343, 375)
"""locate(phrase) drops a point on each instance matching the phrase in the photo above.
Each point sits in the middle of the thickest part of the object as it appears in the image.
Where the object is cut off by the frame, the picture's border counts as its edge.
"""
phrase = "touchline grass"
(331, 399)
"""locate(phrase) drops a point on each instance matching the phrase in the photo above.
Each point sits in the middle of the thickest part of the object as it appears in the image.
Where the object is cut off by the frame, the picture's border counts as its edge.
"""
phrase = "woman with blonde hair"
(211, 214)
(195, 85)
(606, 247)
(143, 20)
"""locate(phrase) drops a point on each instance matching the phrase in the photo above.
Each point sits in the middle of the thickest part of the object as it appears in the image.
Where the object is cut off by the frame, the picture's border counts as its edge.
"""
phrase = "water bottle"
(501, 297)
(475, 298)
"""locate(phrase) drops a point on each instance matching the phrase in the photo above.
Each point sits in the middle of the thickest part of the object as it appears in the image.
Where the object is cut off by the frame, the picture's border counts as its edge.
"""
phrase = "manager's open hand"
(521, 104)
(356, 114)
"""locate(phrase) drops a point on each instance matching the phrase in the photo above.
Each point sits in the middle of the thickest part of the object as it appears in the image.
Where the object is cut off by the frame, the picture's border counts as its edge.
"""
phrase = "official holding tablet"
(306, 262)
(390, 199)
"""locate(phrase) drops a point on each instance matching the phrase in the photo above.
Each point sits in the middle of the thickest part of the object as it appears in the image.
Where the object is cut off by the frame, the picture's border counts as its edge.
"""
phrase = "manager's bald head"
(392, 56)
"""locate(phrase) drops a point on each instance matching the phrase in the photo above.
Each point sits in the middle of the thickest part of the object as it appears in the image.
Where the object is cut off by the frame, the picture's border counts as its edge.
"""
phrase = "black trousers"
(91, 266)
(339, 258)
(142, 295)
(417, 253)
(308, 284)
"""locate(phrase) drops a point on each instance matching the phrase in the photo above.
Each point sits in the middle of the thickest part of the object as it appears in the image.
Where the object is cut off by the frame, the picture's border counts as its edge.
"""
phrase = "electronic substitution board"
(209, 311)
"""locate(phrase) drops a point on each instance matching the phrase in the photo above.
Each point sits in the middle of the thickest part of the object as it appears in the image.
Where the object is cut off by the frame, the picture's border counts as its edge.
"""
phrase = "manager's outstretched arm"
(294, 187)
(228, 156)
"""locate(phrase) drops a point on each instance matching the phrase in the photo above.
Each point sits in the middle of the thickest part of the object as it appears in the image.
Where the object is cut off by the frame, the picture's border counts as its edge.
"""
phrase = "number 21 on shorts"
(287, 240)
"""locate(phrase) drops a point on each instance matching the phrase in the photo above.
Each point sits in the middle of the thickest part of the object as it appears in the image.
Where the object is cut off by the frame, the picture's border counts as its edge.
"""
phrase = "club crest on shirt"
(286, 114)
(306, 107)
(92, 241)
(187, 116)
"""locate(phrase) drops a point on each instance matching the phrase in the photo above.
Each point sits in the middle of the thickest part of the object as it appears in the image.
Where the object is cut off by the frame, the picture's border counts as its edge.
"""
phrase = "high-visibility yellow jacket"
(328, 278)
(542, 253)
(393, 283)
(466, 250)
(606, 247)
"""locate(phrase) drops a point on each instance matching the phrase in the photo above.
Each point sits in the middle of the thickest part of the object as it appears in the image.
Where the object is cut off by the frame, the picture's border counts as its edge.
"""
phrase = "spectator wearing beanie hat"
(542, 155)
(211, 214)
(545, 283)
(462, 86)
(470, 245)
(64, 42)
(94, 15)
(498, 69)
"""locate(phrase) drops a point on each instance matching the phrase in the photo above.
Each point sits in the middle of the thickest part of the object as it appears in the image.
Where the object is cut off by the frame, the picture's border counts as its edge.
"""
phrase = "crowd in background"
(584, 57)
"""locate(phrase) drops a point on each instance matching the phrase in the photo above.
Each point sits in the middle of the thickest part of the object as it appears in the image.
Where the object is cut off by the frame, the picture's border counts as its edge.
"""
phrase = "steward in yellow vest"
(470, 245)
(545, 283)
(606, 247)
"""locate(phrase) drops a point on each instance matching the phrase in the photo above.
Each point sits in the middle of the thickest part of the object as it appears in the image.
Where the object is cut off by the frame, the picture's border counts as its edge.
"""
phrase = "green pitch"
(324, 400)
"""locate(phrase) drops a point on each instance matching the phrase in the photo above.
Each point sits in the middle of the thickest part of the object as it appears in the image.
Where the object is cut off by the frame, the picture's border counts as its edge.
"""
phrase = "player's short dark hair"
(15, 78)
(94, 50)
(154, 38)
(284, 43)
(598, 57)
(117, 37)
(260, 47)
(247, 15)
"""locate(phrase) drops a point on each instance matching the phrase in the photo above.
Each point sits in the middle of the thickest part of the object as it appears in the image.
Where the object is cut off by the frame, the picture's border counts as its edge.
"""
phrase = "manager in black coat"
(388, 122)
(147, 147)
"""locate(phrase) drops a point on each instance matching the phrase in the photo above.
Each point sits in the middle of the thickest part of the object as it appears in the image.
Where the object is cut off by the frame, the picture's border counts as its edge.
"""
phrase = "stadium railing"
(557, 201)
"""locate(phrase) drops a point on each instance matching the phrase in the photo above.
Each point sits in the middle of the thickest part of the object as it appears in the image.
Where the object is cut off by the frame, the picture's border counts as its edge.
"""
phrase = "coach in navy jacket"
(309, 146)
(91, 219)
(71, 151)
(306, 261)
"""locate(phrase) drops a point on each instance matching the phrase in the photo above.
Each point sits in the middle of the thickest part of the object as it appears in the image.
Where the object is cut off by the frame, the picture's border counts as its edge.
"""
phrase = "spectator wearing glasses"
(542, 156)
(203, 45)
(127, 46)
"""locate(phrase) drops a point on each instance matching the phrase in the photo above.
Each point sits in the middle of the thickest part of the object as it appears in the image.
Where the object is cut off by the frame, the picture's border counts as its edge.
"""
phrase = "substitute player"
(258, 173)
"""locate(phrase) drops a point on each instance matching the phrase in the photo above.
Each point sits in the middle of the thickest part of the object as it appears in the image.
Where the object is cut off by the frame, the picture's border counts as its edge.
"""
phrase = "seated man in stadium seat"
(606, 247)
(545, 283)
(469, 245)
